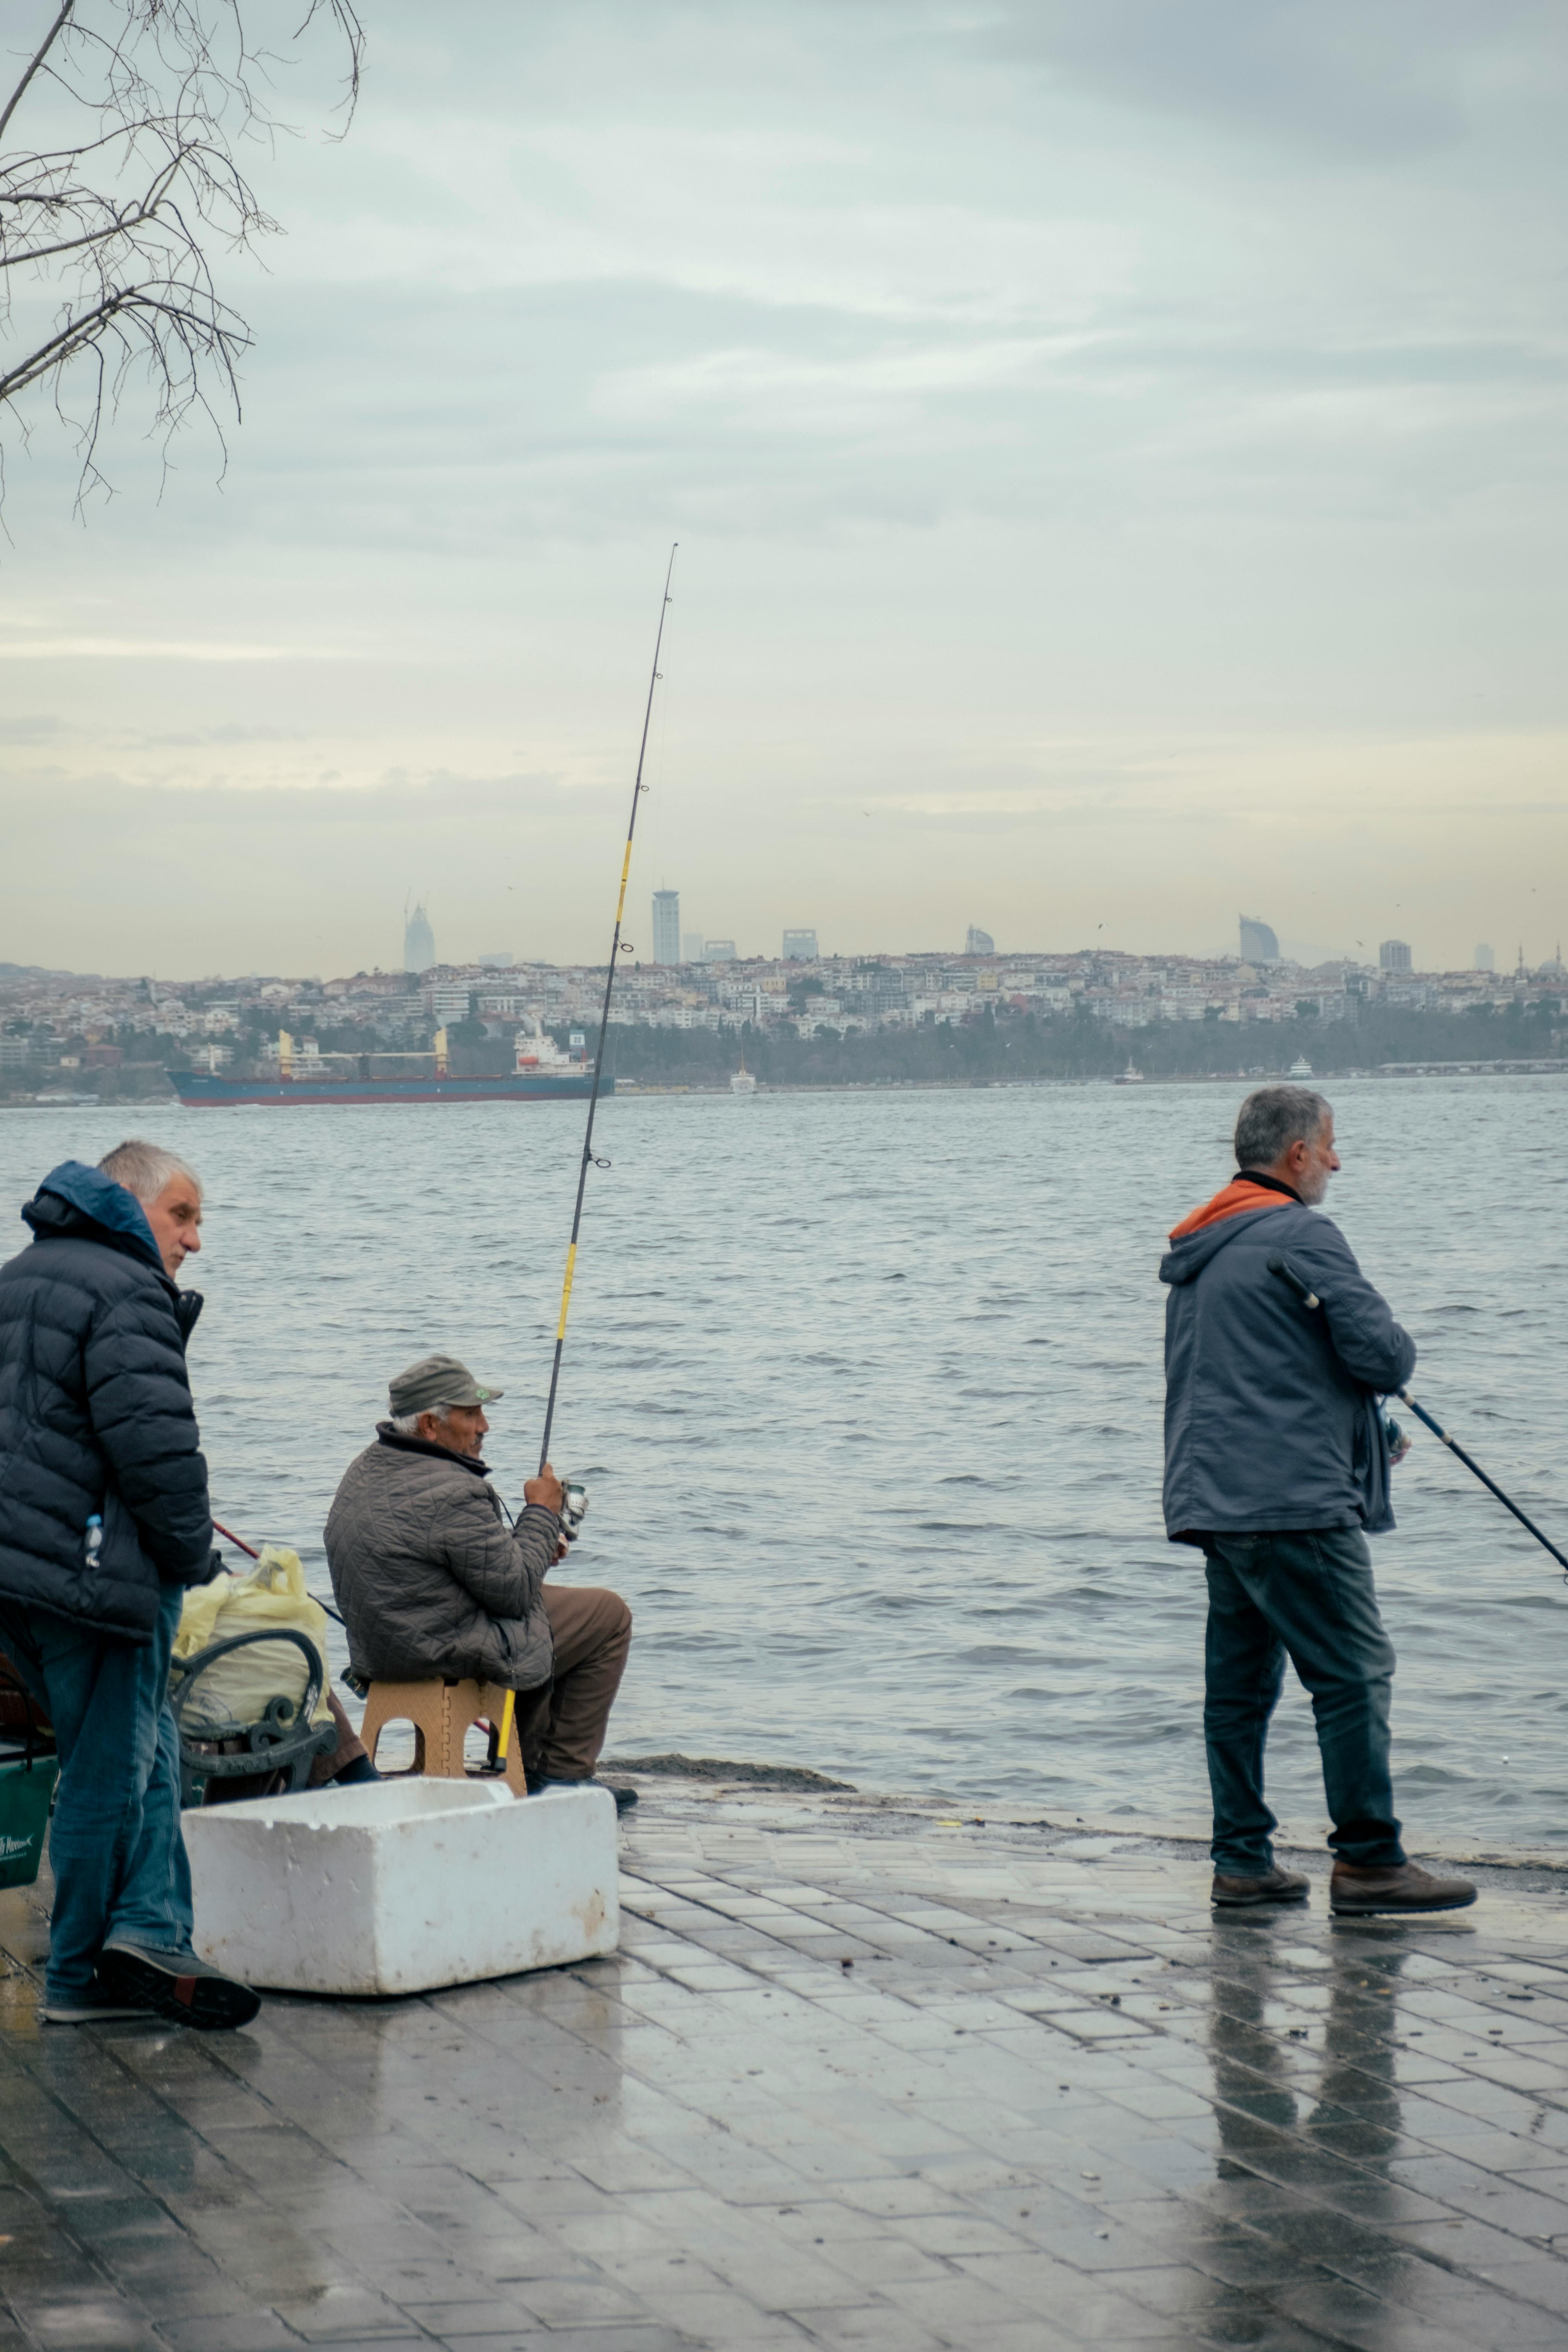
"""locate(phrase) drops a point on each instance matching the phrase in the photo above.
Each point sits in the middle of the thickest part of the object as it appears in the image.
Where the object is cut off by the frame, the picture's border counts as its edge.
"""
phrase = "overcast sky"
(1116, 446)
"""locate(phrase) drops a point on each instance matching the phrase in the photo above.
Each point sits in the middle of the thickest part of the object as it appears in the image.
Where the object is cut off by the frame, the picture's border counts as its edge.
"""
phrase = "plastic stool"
(441, 1714)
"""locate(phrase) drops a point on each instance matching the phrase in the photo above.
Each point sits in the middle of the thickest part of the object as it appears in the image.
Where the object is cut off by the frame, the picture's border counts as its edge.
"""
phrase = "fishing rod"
(1309, 1298)
(617, 949)
(241, 1545)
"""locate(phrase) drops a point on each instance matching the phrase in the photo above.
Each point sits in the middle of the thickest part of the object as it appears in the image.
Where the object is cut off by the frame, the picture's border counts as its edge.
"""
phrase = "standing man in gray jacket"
(1276, 1465)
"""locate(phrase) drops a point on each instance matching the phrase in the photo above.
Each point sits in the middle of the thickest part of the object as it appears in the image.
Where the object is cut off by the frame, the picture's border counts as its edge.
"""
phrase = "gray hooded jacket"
(1272, 1411)
(430, 1578)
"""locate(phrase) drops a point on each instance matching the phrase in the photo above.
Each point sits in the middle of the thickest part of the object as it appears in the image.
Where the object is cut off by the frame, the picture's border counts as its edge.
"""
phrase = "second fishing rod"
(1287, 1273)
(573, 1496)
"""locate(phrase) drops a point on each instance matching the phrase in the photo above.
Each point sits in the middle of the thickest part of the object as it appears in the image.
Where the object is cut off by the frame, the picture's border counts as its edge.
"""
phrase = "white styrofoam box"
(396, 1887)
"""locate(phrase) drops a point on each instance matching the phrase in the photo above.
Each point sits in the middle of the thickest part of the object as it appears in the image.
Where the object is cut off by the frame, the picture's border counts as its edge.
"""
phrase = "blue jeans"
(115, 1847)
(1307, 1595)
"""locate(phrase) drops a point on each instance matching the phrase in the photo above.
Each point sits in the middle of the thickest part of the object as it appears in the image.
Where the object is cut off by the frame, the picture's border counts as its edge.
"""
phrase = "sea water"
(867, 1387)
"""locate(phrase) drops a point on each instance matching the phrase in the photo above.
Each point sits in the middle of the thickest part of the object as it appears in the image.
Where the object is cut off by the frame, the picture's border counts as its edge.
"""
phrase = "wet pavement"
(863, 2075)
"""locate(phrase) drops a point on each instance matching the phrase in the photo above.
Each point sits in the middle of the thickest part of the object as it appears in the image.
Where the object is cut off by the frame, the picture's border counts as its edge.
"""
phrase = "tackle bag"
(237, 1688)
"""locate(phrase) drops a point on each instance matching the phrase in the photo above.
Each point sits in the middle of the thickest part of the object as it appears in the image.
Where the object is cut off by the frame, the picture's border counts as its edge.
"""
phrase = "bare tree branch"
(122, 222)
(14, 101)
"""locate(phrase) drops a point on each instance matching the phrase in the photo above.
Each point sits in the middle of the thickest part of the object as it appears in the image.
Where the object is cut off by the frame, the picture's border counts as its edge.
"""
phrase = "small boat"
(1129, 1077)
(1299, 1068)
(741, 1082)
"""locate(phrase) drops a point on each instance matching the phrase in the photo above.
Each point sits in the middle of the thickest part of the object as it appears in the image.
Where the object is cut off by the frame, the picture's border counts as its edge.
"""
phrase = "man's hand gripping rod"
(1309, 1298)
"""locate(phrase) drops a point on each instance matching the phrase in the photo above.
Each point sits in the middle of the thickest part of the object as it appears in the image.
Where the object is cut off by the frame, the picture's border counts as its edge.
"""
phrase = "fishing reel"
(574, 1509)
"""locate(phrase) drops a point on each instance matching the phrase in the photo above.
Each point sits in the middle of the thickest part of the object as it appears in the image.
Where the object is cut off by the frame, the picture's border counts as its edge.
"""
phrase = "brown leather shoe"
(1357, 1887)
(1231, 1893)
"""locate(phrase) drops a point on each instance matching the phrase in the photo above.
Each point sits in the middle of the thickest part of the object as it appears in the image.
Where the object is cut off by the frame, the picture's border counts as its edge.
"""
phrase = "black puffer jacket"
(95, 1414)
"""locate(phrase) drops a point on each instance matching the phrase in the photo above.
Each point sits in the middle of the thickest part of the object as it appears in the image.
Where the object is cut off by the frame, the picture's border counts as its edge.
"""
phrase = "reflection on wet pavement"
(863, 2075)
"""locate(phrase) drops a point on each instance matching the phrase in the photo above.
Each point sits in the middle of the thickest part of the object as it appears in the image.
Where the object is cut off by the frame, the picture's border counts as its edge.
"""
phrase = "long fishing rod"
(617, 951)
(1309, 1298)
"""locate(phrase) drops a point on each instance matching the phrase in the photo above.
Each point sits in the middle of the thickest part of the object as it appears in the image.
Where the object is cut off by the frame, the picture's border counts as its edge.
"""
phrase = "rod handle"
(1287, 1273)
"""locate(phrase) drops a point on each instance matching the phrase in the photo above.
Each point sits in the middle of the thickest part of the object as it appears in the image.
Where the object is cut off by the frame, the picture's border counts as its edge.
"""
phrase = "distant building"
(497, 961)
(1258, 944)
(419, 941)
(1393, 955)
(691, 946)
(666, 927)
(446, 1001)
(717, 951)
(800, 947)
(979, 942)
(1485, 960)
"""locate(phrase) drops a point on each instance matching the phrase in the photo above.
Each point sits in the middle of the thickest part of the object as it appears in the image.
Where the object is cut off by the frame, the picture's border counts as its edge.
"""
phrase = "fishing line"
(617, 951)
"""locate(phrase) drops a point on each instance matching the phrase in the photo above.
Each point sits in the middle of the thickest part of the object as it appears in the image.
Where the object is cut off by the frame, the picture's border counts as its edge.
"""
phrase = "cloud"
(1131, 376)
(1344, 78)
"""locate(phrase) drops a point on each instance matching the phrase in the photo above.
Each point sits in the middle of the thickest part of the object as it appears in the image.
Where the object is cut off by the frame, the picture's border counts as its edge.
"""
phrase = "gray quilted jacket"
(430, 1578)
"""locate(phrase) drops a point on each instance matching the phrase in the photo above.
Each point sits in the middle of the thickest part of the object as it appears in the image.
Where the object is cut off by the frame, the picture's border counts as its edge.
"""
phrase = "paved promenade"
(863, 2076)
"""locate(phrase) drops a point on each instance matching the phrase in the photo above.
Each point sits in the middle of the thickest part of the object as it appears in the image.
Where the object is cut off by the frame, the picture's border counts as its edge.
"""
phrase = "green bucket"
(27, 1784)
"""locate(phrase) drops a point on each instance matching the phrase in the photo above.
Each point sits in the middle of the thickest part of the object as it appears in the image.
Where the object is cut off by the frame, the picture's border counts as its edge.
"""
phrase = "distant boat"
(542, 1073)
(1129, 1077)
(1299, 1068)
(742, 1081)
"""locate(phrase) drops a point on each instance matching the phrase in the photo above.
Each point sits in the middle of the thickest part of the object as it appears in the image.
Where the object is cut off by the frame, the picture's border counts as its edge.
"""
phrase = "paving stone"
(1053, 2103)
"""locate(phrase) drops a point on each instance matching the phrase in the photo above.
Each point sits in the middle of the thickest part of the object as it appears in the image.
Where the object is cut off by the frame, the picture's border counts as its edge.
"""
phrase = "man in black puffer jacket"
(104, 1524)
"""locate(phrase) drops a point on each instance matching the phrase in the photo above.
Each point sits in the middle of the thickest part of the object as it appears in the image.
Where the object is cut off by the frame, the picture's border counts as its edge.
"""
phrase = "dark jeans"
(115, 1847)
(1307, 1594)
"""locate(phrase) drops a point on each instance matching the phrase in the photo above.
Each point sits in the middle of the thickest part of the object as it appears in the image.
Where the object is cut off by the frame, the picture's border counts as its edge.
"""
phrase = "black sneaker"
(177, 1985)
(94, 2007)
(624, 1797)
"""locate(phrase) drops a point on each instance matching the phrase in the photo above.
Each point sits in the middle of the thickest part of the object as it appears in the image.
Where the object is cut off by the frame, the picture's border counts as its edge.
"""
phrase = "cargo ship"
(542, 1073)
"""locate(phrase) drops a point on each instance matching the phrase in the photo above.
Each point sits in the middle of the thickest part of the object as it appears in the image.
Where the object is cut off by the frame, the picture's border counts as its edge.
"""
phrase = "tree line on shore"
(1074, 1046)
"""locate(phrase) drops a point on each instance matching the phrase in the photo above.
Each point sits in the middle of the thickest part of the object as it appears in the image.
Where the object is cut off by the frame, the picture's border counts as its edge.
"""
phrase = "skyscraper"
(1485, 960)
(979, 942)
(418, 940)
(800, 947)
(1393, 955)
(666, 927)
(1258, 944)
(691, 946)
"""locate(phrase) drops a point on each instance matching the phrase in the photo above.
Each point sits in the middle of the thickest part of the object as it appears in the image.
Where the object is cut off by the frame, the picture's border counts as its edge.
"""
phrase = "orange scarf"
(1239, 1195)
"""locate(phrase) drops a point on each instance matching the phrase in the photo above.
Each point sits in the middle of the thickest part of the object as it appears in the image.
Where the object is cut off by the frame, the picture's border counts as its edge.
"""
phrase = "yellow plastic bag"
(236, 1689)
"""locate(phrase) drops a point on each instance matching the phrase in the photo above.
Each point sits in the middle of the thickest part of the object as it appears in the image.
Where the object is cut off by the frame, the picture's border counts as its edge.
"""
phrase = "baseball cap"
(436, 1380)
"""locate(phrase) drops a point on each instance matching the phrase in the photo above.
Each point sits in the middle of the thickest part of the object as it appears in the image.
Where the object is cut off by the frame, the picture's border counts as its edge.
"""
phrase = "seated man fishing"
(432, 1581)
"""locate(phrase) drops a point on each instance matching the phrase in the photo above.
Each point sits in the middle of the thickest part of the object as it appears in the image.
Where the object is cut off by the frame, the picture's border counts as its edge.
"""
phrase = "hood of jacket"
(84, 1202)
(75, 1202)
(1198, 1239)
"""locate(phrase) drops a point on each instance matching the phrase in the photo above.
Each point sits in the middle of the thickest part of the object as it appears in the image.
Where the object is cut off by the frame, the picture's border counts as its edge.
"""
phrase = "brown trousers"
(562, 1724)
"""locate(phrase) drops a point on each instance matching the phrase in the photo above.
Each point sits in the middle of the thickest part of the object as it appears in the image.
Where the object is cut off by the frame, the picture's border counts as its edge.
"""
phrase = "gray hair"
(406, 1425)
(1273, 1119)
(144, 1169)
